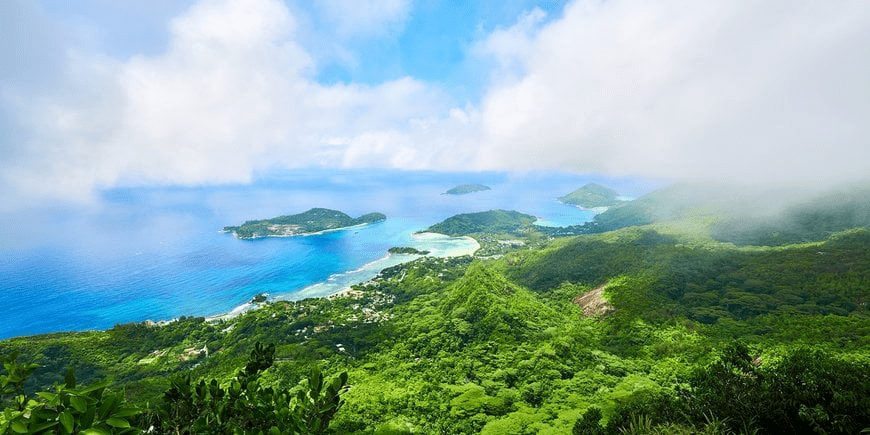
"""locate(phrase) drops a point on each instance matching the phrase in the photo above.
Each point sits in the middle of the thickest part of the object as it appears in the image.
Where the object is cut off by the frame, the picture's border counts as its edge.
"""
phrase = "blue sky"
(428, 40)
(96, 94)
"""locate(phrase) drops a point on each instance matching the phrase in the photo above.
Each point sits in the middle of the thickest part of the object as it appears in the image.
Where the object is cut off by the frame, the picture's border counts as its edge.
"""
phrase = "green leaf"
(19, 426)
(110, 403)
(117, 422)
(96, 430)
(48, 397)
(66, 419)
(79, 403)
(43, 414)
(126, 412)
(95, 387)
(41, 427)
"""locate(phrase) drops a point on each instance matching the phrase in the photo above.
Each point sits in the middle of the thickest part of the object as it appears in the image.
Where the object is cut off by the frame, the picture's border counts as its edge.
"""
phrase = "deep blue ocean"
(156, 253)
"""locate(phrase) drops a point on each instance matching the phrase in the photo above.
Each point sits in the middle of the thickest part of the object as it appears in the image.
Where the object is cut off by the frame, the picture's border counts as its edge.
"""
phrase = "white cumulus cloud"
(759, 91)
(769, 91)
(232, 94)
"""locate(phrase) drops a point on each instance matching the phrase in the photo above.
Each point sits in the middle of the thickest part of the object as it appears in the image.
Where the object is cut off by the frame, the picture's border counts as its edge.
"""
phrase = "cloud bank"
(771, 91)
(768, 91)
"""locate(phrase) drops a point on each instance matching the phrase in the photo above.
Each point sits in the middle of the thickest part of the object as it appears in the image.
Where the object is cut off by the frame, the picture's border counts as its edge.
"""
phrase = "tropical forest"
(663, 315)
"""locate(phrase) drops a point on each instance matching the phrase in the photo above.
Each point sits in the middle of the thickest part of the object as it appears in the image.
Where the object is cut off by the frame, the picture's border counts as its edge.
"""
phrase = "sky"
(97, 94)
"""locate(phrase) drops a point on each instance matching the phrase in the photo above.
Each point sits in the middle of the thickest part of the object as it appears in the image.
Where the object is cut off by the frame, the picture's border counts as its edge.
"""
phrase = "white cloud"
(511, 47)
(717, 89)
(233, 94)
(768, 91)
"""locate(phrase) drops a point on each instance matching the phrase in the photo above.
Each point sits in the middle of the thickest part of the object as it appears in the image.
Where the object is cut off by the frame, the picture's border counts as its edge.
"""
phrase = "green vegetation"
(407, 250)
(592, 195)
(493, 221)
(463, 189)
(810, 221)
(311, 221)
(698, 336)
(243, 407)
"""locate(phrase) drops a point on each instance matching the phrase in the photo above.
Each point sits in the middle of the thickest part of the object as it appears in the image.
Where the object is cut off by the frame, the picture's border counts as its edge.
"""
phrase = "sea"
(157, 253)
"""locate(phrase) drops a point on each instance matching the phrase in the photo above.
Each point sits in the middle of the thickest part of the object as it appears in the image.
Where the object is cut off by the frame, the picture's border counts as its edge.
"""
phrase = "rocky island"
(592, 195)
(312, 221)
(463, 189)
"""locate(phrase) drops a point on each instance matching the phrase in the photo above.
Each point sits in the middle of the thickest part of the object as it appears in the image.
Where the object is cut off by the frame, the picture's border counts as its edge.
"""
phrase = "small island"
(312, 221)
(406, 250)
(463, 189)
(592, 195)
(259, 298)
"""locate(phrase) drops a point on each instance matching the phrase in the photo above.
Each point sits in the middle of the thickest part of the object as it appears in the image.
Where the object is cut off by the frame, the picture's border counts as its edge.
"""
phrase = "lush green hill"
(705, 282)
(592, 195)
(493, 221)
(463, 189)
(311, 221)
(498, 346)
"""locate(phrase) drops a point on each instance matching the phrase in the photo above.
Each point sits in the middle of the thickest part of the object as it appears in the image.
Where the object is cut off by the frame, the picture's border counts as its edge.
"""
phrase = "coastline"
(596, 210)
(303, 234)
(438, 245)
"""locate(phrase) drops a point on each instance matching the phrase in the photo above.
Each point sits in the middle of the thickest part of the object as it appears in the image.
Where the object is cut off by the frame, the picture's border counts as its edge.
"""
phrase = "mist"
(753, 214)
(723, 92)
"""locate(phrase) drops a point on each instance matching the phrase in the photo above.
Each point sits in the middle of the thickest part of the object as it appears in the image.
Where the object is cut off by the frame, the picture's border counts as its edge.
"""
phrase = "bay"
(156, 253)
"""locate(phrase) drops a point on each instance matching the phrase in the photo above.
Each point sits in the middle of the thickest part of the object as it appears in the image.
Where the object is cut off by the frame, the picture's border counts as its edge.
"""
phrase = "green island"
(663, 315)
(312, 221)
(464, 189)
(492, 221)
(407, 250)
(592, 195)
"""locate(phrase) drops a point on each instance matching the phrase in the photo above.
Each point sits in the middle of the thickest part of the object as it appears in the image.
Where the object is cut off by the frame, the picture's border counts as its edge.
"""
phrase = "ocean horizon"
(158, 253)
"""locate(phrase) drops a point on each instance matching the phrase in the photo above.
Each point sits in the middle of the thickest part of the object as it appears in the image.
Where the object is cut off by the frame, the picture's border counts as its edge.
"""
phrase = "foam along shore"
(438, 245)
(302, 233)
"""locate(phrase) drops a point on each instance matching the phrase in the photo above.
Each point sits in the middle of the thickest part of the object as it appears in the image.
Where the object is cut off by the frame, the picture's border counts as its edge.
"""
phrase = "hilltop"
(309, 222)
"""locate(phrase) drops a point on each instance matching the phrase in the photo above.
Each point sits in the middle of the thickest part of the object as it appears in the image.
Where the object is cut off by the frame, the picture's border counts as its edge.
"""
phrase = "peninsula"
(312, 221)
(492, 221)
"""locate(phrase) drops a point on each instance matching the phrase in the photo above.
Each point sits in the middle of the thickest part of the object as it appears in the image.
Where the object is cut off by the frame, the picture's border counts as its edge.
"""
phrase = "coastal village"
(362, 305)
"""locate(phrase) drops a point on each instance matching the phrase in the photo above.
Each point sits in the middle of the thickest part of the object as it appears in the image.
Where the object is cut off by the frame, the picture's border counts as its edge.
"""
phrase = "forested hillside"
(701, 336)
(675, 326)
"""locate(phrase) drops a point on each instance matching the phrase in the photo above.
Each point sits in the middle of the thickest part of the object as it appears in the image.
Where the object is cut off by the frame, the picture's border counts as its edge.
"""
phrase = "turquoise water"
(158, 253)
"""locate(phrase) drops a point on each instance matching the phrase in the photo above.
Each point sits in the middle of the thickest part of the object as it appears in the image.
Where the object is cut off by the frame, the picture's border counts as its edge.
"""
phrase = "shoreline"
(596, 210)
(335, 287)
(303, 234)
